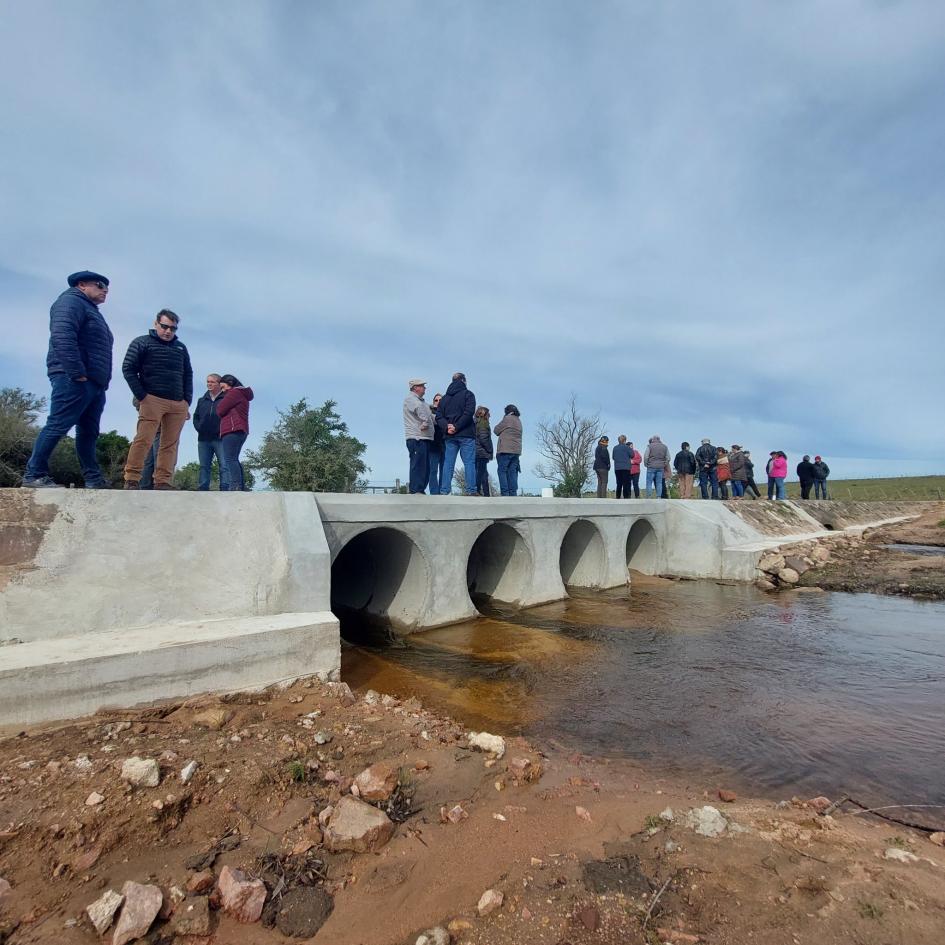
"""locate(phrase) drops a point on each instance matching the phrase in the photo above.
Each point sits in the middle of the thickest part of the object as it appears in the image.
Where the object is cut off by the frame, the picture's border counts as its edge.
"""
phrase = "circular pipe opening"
(642, 548)
(583, 559)
(499, 567)
(379, 584)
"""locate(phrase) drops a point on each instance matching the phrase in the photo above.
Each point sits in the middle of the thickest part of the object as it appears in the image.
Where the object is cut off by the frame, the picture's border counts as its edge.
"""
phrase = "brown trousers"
(685, 486)
(153, 413)
(602, 476)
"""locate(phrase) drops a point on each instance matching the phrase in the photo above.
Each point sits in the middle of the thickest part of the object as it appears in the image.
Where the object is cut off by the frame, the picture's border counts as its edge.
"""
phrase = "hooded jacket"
(233, 410)
(707, 455)
(157, 367)
(736, 463)
(206, 421)
(685, 463)
(80, 341)
(777, 469)
(805, 471)
(457, 406)
(656, 455)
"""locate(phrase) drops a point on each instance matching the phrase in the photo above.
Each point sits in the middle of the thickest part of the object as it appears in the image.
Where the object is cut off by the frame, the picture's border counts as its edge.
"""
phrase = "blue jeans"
(466, 448)
(654, 477)
(232, 468)
(508, 469)
(707, 476)
(76, 404)
(820, 486)
(206, 450)
(147, 470)
(419, 451)
(435, 470)
(778, 483)
(738, 488)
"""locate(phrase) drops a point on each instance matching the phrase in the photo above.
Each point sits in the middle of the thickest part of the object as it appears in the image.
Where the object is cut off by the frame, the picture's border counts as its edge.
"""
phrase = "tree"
(18, 431)
(310, 450)
(566, 444)
(188, 477)
(111, 451)
(459, 480)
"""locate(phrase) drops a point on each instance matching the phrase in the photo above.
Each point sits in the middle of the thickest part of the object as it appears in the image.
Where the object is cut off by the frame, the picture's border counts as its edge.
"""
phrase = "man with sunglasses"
(79, 365)
(157, 369)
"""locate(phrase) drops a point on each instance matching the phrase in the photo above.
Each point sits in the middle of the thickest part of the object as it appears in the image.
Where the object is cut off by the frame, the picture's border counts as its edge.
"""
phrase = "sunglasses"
(101, 285)
(167, 327)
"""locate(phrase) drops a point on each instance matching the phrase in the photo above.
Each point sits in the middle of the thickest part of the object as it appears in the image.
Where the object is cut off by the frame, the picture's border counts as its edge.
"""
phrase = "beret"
(85, 276)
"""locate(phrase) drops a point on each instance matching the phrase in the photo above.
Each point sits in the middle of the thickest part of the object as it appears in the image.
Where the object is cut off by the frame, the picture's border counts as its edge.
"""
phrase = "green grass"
(875, 490)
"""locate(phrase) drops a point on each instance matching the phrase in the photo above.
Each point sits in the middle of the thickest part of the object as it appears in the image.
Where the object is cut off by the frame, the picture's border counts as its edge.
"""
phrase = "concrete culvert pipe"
(642, 548)
(379, 581)
(500, 565)
(583, 560)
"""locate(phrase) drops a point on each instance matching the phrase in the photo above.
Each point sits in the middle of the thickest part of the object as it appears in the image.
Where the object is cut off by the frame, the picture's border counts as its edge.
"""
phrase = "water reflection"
(801, 692)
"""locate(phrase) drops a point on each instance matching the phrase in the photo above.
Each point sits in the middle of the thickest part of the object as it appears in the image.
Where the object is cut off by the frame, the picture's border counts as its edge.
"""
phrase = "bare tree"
(459, 480)
(566, 444)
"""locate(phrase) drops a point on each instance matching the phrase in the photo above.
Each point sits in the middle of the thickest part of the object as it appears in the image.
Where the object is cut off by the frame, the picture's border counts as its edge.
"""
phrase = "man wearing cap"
(79, 365)
(707, 460)
(418, 429)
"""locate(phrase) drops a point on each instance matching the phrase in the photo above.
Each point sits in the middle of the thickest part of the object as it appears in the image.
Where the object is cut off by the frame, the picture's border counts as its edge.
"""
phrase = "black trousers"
(751, 487)
(635, 484)
(623, 483)
(806, 486)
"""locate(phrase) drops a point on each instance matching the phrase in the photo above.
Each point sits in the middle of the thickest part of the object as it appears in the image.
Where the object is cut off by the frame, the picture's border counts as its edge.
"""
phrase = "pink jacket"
(778, 468)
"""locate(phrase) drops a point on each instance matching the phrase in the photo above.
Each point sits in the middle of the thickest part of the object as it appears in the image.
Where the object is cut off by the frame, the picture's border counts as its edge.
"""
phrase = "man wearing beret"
(79, 365)
(418, 430)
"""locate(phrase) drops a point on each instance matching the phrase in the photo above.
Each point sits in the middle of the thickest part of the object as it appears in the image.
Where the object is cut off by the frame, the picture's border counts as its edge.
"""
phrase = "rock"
(87, 860)
(377, 783)
(583, 813)
(667, 815)
(938, 838)
(213, 719)
(240, 895)
(434, 936)
(192, 916)
(728, 796)
(771, 563)
(820, 554)
(455, 814)
(82, 764)
(371, 697)
(524, 769)
(187, 772)
(788, 576)
(458, 926)
(142, 904)
(141, 772)
(6, 891)
(201, 882)
(483, 741)
(797, 564)
(675, 937)
(489, 901)
(707, 821)
(357, 826)
(901, 856)
(763, 584)
(303, 911)
(342, 691)
(322, 738)
(820, 804)
(324, 815)
(94, 799)
(589, 918)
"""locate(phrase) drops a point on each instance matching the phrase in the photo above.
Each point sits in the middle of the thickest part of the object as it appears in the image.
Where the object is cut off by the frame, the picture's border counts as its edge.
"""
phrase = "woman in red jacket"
(233, 411)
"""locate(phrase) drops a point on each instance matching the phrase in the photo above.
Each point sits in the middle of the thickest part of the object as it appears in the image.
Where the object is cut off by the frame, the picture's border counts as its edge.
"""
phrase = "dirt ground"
(576, 846)
(862, 563)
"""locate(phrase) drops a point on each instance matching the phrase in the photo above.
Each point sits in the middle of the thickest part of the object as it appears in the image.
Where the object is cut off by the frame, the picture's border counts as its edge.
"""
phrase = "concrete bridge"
(111, 598)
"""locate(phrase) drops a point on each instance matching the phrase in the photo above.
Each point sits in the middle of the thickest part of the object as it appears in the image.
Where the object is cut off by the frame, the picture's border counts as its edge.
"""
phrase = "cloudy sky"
(719, 219)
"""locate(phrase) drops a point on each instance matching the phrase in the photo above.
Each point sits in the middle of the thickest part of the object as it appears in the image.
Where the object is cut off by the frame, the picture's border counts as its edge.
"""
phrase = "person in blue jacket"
(454, 417)
(79, 365)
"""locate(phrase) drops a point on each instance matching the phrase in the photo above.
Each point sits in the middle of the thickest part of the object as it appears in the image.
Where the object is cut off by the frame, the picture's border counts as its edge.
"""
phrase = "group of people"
(158, 371)
(718, 470)
(452, 426)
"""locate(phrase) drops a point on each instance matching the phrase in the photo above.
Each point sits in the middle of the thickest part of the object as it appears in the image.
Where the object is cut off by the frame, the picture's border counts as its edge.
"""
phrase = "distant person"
(209, 443)
(79, 365)
(509, 450)
(436, 449)
(707, 460)
(656, 459)
(821, 472)
(484, 450)
(685, 465)
(602, 466)
(623, 460)
(736, 465)
(667, 478)
(455, 417)
(418, 432)
(805, 473)
(157, 369)
(778, 473)
(724, 470)
(771, 486)
(233, 411)
(751, 487)
(636, 461)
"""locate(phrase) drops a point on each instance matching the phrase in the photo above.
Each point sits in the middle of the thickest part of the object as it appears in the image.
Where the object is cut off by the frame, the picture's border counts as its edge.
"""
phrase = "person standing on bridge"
(508, 450)
(602, 466)
(751, 488)
(777, 473)
(79, 365)
(436, 448)
(736, 461)
(623, 455)
(707, 458)
(686, 465)
(635, 461)
(656, 459)
(233, 410)
(455, 418)
(821, 472)
(805, 473)
(418, 431)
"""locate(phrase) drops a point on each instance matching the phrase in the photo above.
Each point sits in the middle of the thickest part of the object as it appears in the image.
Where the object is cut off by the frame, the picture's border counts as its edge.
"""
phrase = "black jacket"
(749, 470)
(206, 420)
(161, 368)
(685, 463)
(601, 457)
(437, 445)
(707, 455)
(80, 341)
(484, 448)
(821, 471)
(805, 471)
(457, 406)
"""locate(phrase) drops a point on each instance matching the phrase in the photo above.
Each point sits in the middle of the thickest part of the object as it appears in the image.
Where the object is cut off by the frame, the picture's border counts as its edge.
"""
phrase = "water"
(798, 693)
(917, 549)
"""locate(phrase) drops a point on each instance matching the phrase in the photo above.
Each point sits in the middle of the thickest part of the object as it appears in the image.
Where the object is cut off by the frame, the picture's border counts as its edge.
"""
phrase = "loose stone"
(192, 917)
(489, 901)
(240, 895)
(142, 904)
(707, 821)
(357, 826)
(141, 772)
(377, 783)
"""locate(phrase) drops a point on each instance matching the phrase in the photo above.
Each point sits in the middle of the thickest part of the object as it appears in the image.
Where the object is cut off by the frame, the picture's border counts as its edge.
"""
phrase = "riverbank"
(577, 850)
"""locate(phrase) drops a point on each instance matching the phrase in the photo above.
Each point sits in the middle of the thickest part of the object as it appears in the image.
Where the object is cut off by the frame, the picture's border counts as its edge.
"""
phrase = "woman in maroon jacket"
(233, 411)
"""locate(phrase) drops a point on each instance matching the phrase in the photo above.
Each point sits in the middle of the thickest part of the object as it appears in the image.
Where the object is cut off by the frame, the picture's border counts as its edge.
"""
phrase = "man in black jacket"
(79, 365)
(685, 464)
(455, 418)
(805, 472)
(707, 457)
(209, 444)
(157, 369)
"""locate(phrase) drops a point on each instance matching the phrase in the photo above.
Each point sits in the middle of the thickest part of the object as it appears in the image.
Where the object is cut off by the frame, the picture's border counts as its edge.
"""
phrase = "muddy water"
(797, 693)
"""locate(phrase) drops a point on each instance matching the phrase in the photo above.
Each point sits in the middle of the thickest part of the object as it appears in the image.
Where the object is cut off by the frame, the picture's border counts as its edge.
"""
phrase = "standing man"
(157, 369)
(207, 425)
(418, 429)
(736, 465)
(685, 464)
(805, 473)
(79, 365)
(707, 459)
(656, 459)
(821, 472)
(455, 419)
(602, 466)
(622, 461)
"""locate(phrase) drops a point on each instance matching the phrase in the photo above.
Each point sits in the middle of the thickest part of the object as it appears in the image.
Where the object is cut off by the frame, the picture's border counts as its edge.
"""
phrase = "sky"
(721, 219)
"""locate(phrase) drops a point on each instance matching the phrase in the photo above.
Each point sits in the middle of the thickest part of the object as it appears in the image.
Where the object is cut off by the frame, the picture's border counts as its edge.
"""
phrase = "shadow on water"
(792, 693)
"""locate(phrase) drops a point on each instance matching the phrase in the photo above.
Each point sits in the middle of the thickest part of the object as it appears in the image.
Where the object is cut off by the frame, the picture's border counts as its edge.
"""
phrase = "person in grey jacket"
(418, 431)
(602, 466)
(656, 459)
(508, 450)
(623, 460)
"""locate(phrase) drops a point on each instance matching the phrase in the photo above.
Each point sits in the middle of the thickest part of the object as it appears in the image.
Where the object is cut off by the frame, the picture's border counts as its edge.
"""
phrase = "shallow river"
(799, 693)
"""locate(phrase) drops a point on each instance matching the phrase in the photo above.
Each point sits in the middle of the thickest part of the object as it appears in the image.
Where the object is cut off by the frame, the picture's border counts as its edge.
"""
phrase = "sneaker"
(131, 483)
(41, 482)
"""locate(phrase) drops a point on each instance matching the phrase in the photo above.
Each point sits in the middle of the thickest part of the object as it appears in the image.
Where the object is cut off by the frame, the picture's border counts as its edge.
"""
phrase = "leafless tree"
(566, 444)
(459, 480)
